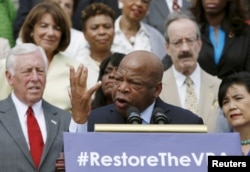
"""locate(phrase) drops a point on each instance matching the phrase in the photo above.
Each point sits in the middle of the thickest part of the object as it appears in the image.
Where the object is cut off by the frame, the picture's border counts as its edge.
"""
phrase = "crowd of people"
(72, 64)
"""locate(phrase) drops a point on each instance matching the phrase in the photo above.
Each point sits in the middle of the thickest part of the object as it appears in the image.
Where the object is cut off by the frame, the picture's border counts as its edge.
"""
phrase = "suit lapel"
(52, 125)
(162, 8)
(206, 97)
(164, 106)
(228, 43)
(186, 4)
(114, 116)
(11, 122)
(169, 94)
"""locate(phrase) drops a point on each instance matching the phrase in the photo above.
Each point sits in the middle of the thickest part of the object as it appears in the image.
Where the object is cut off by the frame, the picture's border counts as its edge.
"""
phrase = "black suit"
(108, 115)
(24, 8)
(235, 55)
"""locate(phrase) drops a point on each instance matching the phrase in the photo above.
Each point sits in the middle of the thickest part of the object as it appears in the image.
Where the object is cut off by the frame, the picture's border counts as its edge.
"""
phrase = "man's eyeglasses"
(189, 41)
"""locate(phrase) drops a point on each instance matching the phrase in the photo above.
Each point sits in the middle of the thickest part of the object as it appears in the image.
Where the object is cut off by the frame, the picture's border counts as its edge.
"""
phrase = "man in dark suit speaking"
(138, 83)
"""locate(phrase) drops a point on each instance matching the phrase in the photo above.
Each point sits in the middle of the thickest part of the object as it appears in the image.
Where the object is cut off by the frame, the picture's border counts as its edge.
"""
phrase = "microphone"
(159, 117)
(133, 115)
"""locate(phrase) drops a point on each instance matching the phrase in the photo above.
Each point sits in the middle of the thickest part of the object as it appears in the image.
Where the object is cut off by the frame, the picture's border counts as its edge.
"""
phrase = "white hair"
(21, 49)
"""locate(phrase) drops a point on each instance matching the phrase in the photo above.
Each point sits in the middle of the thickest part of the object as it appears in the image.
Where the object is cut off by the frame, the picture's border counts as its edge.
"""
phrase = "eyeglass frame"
(189, 41)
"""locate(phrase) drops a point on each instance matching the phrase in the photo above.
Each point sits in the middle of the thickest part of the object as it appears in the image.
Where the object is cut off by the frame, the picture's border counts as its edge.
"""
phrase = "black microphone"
(133, 116)
(159, 117)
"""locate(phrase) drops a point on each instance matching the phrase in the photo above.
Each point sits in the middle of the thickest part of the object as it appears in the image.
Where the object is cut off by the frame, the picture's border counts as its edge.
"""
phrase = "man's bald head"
(146, 61)
(137, 81)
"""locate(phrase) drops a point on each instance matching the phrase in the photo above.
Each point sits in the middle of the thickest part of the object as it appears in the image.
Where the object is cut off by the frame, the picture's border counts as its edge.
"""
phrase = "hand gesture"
(80, 96)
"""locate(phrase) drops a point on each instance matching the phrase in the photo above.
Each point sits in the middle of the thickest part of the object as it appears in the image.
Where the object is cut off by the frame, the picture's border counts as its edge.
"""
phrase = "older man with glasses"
(185, 84)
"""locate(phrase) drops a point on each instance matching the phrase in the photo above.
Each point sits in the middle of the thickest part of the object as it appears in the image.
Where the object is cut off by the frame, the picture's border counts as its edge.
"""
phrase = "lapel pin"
(54, 122)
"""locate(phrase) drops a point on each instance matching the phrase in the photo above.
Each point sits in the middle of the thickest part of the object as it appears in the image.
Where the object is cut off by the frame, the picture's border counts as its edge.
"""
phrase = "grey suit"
(208, 101)
(14, 151)
(158, 12)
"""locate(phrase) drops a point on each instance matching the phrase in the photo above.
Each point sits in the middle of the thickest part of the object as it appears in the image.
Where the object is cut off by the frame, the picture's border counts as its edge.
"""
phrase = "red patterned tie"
(176, 6)
(35, 137)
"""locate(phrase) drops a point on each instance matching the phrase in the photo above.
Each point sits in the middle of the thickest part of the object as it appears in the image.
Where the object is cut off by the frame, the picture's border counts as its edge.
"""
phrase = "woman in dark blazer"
(225, 36)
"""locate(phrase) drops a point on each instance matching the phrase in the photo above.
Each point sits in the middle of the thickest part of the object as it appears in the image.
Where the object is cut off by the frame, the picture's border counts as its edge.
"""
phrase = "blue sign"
(147, 152)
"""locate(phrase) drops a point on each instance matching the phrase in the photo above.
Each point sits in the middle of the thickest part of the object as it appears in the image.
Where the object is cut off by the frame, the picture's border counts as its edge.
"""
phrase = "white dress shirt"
(122, 45)
(22, 115)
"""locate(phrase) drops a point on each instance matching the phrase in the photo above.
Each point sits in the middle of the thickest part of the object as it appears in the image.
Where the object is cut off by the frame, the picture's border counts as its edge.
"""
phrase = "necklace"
(245, 142)
(132, 40)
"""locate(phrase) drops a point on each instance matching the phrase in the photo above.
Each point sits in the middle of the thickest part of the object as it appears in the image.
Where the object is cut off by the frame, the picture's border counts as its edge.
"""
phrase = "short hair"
(21, 49)
(59, 16)
(241, 78)
(174, 16)
(95, 9)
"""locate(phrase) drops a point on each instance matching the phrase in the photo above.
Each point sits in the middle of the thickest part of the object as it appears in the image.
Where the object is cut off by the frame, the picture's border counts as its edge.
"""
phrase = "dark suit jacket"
(14, 151)
(108, 115)
(76, 18)
(159, 11)
(24, 8)
(235, 56)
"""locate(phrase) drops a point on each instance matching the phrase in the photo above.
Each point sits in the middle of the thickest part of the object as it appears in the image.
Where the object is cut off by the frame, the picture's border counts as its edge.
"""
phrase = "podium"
(153, 128)
(138, 149)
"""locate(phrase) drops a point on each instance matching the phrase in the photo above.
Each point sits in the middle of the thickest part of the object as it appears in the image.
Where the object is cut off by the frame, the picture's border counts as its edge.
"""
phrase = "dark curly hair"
(94, 9)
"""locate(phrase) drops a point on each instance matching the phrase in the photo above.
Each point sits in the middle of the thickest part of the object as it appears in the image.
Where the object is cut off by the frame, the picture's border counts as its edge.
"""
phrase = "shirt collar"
(180, 78)
(22, 107)
(119, 31)
(147, 113)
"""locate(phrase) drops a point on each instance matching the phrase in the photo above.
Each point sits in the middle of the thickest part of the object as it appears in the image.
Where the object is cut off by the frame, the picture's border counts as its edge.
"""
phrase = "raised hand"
(80, 95)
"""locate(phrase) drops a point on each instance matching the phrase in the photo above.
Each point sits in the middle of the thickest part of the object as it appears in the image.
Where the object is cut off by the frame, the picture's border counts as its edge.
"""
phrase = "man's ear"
(167, 48)
(9, 77)
(158, 89)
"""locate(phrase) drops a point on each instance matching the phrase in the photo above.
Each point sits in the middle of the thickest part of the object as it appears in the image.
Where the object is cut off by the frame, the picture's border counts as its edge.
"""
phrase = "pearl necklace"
(132, 40)
(245, 142)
